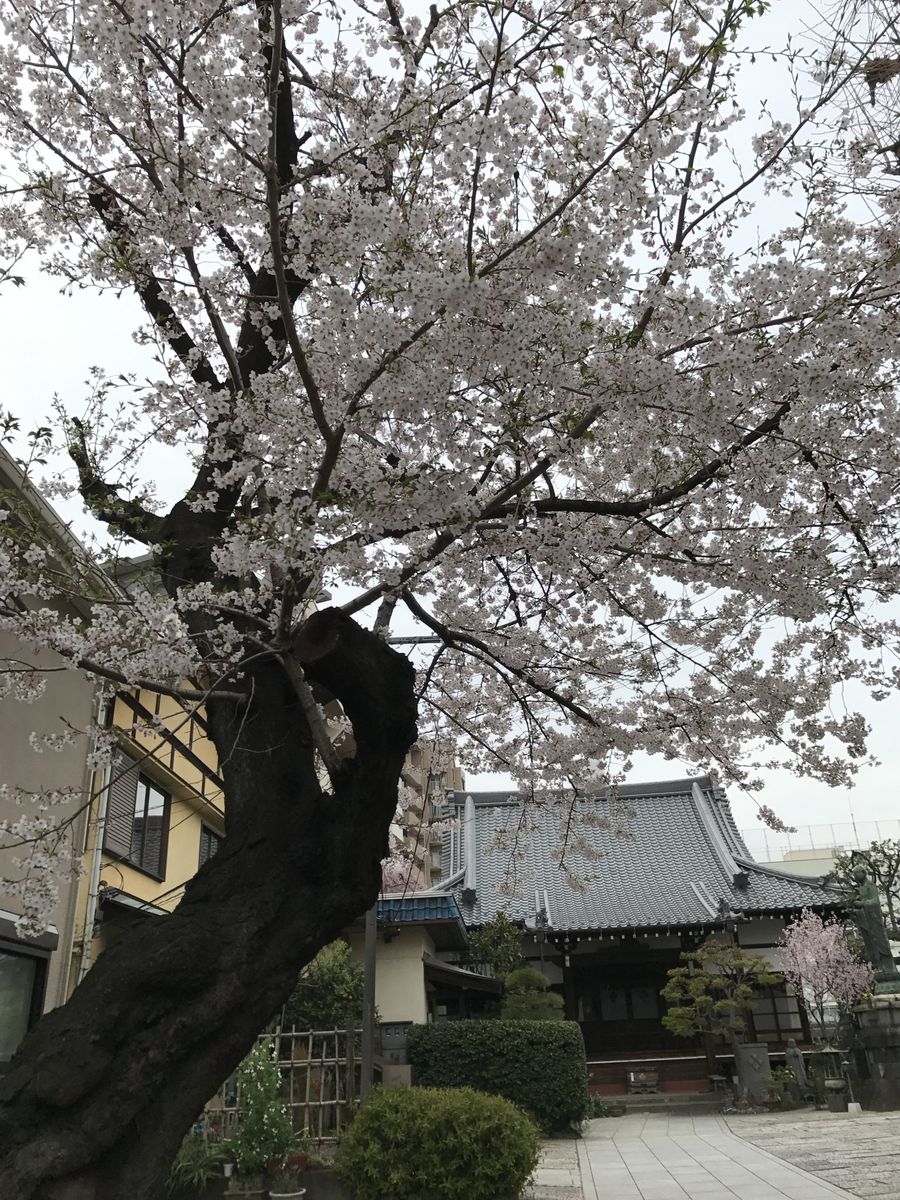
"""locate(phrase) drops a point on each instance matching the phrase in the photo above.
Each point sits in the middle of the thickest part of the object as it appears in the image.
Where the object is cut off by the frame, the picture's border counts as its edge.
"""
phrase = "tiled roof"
(653, 856)
(397, 909)
(439, 911)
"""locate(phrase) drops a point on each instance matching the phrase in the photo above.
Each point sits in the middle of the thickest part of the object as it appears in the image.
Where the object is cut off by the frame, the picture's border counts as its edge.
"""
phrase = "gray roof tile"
(652, 856)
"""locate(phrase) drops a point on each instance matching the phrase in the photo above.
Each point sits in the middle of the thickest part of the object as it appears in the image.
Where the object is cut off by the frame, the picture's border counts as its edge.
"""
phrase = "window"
(149, 828)
(776, 1016)
(137, 818)
(210, 841)
(21, 995)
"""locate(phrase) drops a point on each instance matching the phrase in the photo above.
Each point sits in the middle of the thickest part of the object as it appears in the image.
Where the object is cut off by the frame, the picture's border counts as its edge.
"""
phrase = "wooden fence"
(320, 1078)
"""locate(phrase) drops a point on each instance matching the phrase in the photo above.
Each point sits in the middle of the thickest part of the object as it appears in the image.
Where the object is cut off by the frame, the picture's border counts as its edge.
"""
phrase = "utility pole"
(367, 1066)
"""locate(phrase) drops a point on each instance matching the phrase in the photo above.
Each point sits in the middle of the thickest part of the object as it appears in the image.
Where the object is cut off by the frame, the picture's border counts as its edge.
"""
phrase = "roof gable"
(647, 856)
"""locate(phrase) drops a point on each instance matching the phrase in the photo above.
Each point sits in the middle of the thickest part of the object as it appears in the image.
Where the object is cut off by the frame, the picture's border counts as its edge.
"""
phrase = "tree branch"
(103, 499)
(311, 711)
(654, 500)
(150, 292)
(455, 637)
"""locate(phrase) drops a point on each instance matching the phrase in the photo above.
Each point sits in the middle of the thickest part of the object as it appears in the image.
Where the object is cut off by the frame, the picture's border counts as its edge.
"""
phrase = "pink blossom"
(818, 962)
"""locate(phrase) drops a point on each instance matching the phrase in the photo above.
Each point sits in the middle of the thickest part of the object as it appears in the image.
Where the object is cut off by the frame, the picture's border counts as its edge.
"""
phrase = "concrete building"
(35, 971)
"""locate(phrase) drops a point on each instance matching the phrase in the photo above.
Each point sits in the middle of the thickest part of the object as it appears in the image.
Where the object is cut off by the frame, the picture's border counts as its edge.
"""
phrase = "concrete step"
(674, 1102)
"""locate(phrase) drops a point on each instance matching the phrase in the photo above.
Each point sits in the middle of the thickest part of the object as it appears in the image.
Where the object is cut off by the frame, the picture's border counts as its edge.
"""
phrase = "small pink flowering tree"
(818, 962)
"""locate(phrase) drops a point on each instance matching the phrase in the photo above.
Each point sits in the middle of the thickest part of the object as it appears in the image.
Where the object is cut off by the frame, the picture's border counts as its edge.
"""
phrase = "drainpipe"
(90, 912)
(67, 937)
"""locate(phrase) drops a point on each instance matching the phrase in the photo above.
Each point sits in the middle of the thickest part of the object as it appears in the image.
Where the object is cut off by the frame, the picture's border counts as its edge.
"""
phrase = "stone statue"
(794, 1063)
(868, 918)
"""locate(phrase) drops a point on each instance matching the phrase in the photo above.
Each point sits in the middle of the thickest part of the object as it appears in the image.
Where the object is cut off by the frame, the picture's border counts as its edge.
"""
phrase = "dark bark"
(103, 1089)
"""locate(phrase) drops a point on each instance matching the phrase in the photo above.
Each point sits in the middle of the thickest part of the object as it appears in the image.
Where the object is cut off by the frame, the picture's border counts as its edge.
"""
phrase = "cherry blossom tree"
(509, 320)
(818, 962)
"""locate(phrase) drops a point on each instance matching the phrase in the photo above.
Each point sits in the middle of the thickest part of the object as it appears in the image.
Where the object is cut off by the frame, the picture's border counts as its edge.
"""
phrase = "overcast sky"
(50, 342)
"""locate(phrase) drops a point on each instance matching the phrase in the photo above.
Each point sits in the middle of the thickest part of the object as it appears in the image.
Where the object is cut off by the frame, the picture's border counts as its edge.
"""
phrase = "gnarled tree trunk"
(103, 1089)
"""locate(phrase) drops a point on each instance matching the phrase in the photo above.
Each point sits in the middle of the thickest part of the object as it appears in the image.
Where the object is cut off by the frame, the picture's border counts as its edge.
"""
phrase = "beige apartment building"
(35, 971)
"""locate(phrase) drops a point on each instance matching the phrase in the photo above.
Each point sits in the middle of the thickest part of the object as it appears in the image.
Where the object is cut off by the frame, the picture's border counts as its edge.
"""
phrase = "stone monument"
(869, 920)
(754, 1074)
(794, 1063)
(876, 1052)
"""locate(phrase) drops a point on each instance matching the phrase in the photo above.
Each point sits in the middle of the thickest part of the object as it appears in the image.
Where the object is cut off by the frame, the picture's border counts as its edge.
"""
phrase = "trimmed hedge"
(539, 1065)
(437, 1144)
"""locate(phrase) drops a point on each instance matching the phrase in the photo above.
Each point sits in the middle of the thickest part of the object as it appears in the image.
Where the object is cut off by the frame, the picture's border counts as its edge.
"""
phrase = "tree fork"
(103, 1089)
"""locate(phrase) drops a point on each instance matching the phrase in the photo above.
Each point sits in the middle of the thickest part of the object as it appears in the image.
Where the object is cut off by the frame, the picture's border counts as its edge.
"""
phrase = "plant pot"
(322, 1183)
(287, 1195)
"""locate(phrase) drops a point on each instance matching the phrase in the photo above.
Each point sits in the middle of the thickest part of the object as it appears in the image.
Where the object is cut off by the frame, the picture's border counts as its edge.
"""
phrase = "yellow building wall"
(185, 765)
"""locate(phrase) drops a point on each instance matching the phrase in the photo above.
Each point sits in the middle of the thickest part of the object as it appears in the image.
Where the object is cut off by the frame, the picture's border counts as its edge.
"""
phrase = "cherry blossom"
(818, 962)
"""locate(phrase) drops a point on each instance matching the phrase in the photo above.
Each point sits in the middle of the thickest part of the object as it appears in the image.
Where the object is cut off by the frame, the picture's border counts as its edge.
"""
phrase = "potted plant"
(197, 1164)
(285, 1185)
(296, 1158)
(246, 1184)
(264, 1130)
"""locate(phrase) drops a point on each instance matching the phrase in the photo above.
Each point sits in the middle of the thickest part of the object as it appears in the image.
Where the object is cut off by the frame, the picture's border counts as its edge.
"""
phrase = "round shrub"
(437, 1144)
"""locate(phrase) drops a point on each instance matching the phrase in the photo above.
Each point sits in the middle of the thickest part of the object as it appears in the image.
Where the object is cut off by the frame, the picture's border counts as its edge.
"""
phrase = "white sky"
(49, 343)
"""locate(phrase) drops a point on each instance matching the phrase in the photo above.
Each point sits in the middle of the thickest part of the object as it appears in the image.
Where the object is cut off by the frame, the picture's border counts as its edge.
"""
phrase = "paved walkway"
(860, 1153)
(558, 1176)
(656, 1156)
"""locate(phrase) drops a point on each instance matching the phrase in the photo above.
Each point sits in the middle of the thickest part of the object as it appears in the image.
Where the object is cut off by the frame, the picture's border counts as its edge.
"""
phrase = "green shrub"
(329, 992)
(437, 1144)
(528, 999)
(598, 1107)
(197, 1164)
(498, 943)
(539, 1065)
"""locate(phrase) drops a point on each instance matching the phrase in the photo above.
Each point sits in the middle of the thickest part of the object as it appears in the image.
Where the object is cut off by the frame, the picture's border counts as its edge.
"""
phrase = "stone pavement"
(656, 1156)
(860, 1153)
(558, 1176)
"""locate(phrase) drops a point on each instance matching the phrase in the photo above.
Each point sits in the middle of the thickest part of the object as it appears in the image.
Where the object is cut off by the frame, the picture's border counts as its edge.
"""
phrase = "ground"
(860, 1154)
(783, 1156)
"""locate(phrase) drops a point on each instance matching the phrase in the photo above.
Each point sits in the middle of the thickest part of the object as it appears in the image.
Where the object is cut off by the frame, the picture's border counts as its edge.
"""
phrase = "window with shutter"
(123, 788)
(209, 843)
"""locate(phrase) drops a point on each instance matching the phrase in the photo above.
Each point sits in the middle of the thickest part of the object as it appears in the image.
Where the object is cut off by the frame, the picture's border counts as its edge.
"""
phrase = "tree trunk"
(103, 1089)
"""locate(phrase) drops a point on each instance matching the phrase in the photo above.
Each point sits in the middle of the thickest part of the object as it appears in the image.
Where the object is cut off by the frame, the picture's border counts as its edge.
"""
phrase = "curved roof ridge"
(776, 873)
(720, 807)
(713, 831)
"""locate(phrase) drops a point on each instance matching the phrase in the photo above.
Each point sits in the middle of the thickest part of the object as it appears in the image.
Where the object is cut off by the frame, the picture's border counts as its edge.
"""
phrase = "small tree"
(817, 960)
(882, 860)
(713, 991)
(528, 997)
(498, 943)
(329, 992)
(264, 1129)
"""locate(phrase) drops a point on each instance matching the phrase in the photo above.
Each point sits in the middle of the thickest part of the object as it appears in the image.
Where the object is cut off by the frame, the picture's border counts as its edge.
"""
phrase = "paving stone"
(857, 1152)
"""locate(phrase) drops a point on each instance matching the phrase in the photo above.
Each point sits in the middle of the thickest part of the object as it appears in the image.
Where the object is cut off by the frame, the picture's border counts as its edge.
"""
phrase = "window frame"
(145, 782)
(41, 958)
(207, 831)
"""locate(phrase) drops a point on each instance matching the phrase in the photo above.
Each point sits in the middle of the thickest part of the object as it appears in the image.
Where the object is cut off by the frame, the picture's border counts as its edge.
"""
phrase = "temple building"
(610, 888)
